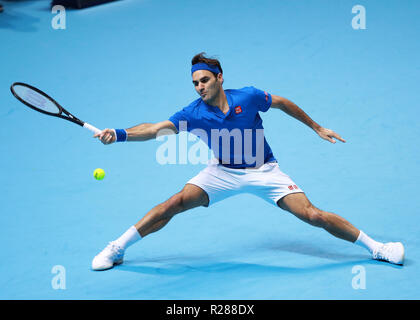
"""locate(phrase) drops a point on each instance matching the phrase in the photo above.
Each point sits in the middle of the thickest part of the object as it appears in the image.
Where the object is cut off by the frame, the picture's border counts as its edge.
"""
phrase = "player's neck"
(220, 101)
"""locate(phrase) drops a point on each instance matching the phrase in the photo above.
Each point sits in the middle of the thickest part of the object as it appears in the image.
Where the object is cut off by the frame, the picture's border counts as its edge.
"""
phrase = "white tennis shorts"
(267, 182)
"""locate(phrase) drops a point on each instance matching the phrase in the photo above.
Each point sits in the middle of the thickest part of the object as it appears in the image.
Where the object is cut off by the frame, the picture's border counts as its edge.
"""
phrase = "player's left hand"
(329, 135)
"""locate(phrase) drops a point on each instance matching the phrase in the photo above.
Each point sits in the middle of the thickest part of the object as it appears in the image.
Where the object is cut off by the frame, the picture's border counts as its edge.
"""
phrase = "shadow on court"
(230, 267)
(178, 265)
(308, 249)
(187, 265)
(18, 21)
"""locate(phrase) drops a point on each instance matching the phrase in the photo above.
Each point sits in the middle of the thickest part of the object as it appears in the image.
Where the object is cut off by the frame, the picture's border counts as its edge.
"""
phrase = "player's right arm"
(141, 132)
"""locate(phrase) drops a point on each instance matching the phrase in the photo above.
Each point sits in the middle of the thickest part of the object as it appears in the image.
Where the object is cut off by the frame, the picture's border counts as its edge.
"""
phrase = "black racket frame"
(68, 116)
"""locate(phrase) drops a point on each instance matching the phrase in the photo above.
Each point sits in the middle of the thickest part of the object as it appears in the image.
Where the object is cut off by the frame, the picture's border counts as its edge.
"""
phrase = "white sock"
(364, 241)
(128, 238)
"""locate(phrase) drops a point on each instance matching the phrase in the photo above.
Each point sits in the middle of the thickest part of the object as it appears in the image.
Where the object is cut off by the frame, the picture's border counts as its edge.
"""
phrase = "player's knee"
(315, 216)
(175, 204)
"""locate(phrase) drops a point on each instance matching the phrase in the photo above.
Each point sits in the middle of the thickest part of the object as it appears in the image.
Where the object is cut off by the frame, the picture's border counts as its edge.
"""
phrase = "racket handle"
(91, 128)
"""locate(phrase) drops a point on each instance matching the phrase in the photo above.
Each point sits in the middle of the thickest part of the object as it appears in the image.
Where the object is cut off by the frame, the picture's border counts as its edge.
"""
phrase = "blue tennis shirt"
(237, 137)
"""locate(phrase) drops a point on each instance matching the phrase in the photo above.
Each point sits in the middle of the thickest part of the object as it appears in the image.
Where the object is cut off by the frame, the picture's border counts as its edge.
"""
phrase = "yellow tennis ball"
(99, 174)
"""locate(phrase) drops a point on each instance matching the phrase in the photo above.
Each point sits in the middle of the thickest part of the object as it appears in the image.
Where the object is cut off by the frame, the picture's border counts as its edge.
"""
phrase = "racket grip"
(91, 128)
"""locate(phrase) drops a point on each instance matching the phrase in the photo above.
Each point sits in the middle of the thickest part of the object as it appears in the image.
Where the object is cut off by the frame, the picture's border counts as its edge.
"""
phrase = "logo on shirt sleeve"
(266, 96)
(238, 109)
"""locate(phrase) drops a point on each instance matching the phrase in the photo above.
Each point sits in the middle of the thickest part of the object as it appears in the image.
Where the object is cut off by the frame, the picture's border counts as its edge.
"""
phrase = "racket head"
(36, 99)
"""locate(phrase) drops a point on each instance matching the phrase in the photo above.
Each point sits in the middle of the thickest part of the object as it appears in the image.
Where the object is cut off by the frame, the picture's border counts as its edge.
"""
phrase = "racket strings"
(35, 99)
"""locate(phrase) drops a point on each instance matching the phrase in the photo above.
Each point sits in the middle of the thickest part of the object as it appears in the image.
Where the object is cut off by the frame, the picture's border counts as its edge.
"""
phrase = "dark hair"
(202, 58)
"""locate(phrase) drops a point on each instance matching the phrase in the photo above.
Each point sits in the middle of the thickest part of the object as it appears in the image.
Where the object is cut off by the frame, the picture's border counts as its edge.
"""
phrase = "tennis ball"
(99, 174)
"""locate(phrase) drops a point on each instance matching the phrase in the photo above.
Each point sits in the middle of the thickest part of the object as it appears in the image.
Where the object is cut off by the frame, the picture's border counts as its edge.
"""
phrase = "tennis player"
(218, 117)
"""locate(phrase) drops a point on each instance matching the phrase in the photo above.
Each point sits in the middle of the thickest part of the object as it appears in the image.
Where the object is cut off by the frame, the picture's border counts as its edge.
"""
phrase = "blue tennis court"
(127, 62)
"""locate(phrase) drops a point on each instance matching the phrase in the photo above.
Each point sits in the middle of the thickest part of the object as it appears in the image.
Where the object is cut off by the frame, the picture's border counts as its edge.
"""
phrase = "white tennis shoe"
(391, 252)
(112, 255)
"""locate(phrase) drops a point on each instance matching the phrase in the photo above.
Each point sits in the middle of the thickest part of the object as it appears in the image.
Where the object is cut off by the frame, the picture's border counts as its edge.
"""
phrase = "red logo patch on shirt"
(266, 96)
(238, 109)
(290, 187)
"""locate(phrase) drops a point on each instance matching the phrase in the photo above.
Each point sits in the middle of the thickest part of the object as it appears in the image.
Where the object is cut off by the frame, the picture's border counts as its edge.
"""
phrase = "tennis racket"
(42, 102)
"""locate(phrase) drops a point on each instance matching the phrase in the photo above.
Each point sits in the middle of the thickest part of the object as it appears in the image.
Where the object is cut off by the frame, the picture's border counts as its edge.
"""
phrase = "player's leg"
(189, 197)
(300, 206)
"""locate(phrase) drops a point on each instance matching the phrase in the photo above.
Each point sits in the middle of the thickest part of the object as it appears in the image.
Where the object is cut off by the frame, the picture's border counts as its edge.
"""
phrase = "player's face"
(207, 85)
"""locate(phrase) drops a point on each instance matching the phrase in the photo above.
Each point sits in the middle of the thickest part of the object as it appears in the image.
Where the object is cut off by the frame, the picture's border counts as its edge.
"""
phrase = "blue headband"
(205, 66)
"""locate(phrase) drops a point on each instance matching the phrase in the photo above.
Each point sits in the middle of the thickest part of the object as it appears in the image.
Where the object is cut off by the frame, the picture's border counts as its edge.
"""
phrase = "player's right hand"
(107, 136)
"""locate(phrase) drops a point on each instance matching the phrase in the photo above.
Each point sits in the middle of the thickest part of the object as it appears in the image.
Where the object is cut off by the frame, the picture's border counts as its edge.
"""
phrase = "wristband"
(121, 135)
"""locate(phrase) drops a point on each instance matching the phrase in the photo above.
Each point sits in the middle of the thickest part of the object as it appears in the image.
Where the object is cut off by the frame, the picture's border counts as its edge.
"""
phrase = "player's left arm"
(293, 110)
